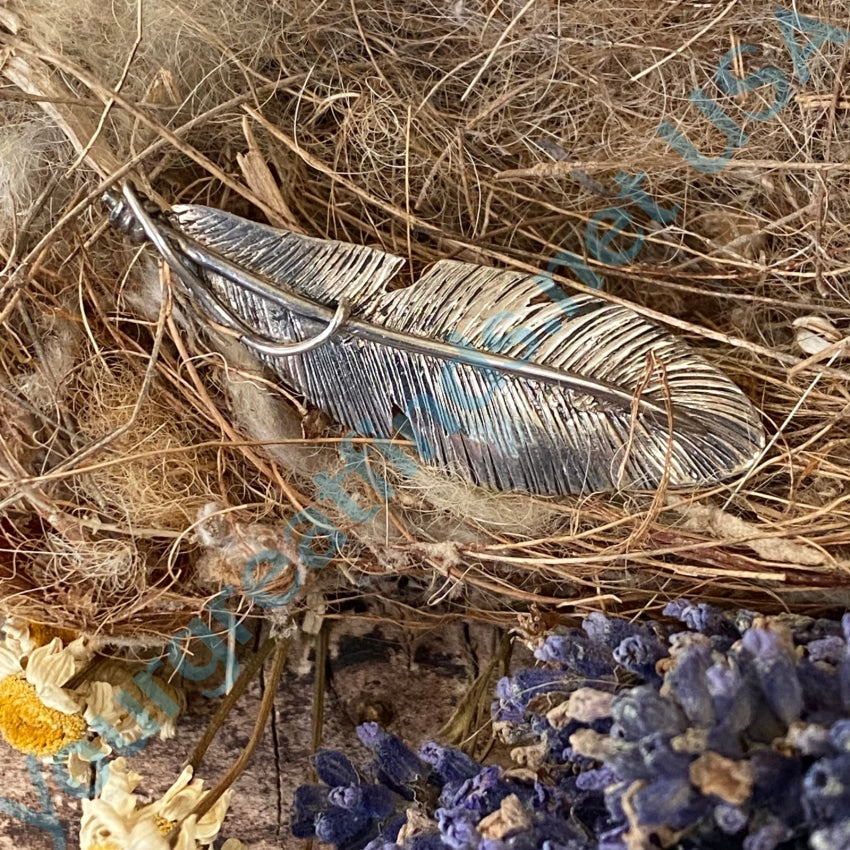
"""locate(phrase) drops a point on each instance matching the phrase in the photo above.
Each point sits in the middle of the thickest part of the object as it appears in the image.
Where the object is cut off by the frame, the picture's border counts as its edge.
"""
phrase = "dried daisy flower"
(116, 686)
(22, 636)
(55, 703)
(113, 820)
(38, 714)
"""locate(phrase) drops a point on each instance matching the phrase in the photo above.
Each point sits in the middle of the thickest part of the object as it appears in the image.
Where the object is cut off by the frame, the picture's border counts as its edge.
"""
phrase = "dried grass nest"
(141, 462)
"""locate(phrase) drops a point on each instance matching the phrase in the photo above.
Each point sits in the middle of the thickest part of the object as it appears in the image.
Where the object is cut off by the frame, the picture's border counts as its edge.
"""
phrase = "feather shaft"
(208, 259)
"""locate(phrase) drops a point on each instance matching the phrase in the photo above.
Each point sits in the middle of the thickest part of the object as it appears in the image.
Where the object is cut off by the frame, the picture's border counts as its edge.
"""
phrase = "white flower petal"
(101, 824)
(118, 789)
(58, 698)
(209, 825)
(9, 662)
(186, 836)
(18, 636)
(81, 650)
(100, 700)
(167, 728)
(146, 836)
(181, 797)
(51, 664)
(114, 816)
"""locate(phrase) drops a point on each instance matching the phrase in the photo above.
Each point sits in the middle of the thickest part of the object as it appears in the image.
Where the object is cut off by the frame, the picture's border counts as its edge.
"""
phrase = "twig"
(241, 684)
(213, 795)
(686, 44)
(499, 41)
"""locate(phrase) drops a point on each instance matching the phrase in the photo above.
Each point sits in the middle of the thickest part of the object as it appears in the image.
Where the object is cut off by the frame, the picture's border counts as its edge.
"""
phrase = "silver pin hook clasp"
(129, 214)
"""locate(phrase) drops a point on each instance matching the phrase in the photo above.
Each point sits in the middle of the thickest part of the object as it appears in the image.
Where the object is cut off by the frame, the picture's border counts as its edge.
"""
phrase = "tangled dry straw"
(141, 461)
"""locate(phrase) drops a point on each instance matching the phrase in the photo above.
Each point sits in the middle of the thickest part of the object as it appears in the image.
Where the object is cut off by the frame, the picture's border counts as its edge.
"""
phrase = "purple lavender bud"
(811, 630)
(550, 799)
(776, 672)
(307, 803)
(845, 628)
(639, 654)
(431, 841)
(508, 711)
(627, 762)
(828, 649)
(743, 619)
(686, 680)
(484, 792)
(449, 763)
(826, 786)
(458, 793)
(575, 652)
(732, 696)
(724, 741)
(821, 692)
(557, 740)
(835, 837)
(669, 802)
(458, 827)
(723, 682)
(393, 826)
(339, 826)
(699, 616)
(839, 735)
(529, 682)
(641, 711)
(844, 681)
(397, 763)
(588, 808)
(597, 779)
(730, 819)
(334, 768)
(370, 801)
(614, 801)
(661, 759)
(345, 796)
(381, 844)
(777, 785)
(577, 762)
(676, 608)
(516, 692)
(611, 631)
(613, 839)
(768, 837)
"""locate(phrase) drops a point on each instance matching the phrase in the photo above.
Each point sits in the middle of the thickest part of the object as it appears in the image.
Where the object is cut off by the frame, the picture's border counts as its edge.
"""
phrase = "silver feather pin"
(479, 367)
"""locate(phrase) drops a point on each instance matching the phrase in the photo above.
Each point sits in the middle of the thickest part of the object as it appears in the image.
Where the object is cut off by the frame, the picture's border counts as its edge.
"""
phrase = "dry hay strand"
(153, 473)
(492, 134)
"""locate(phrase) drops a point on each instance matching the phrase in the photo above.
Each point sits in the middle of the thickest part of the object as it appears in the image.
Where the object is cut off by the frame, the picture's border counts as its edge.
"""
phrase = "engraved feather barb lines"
(488, 376)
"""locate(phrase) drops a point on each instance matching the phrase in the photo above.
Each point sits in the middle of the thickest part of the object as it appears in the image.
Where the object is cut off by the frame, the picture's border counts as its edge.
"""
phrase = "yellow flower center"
(41, 635)
(164, 825)
(29, 725)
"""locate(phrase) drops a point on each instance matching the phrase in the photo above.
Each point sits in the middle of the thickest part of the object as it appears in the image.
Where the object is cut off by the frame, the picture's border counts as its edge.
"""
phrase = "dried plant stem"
(211, 797)
(319, 686)
(470, 718)
(241, 684)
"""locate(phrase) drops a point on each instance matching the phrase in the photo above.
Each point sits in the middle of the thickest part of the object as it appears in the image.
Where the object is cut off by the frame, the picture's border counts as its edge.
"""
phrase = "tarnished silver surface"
(490, 376)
